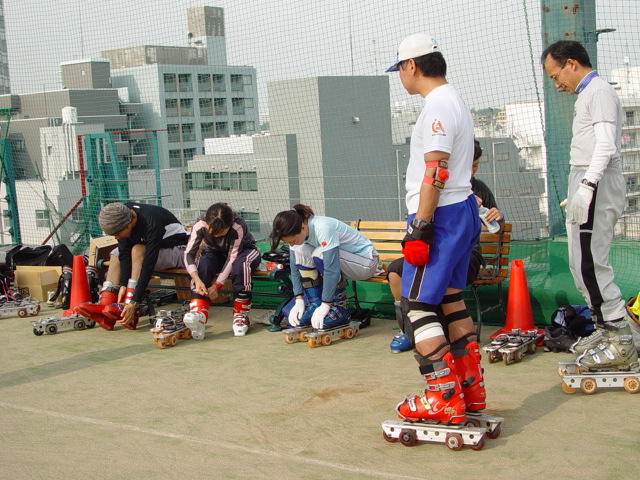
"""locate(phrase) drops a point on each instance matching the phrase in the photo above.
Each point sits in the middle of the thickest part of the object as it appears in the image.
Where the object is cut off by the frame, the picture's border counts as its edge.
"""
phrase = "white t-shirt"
(444, 125)
(597, 103)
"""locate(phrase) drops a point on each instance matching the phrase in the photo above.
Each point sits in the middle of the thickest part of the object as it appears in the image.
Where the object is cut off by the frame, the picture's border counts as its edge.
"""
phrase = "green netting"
(270, 103)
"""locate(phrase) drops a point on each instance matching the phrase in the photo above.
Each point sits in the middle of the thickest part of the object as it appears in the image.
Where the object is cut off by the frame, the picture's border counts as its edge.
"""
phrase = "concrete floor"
(111, 405)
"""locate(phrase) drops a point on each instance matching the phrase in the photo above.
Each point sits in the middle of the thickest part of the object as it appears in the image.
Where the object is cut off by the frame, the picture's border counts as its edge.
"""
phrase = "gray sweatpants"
(590, 243)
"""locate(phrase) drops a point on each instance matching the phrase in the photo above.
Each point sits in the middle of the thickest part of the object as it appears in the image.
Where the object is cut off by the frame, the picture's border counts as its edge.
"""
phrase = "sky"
(492, 48)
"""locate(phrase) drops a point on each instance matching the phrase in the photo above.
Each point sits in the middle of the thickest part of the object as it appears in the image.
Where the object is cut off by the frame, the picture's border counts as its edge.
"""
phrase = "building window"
(236, 83)
(248, 102)
(173, 132)
(42, 218)
(526, 190)
(237, 106)
(248, 181)
(188, 132)
(629, 118)
(170, 82)
(207, 130)
(188, 154)
(247, 80)
(206, 107)
(222, 129)
(221, 106)
(198, 181)
(171, 107)
(252, 219)
(204, 82)
(239, 128)
(6, 221)
(184, 82)
(218, 83)
(186, 107)
(506, 193)
(175, 159)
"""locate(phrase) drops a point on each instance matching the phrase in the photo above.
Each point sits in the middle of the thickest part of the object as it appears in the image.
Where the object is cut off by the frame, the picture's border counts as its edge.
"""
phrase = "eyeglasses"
(554, 78)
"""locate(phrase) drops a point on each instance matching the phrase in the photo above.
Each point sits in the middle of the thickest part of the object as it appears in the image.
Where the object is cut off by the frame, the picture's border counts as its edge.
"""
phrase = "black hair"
(288, 223)
(432, 64)
(219, 216)
(563, 50)
(477, 150)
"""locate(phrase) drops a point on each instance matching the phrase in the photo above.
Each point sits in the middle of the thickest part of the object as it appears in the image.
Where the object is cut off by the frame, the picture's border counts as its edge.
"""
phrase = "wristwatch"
(586, 182)
(135, 304)
(419, 224)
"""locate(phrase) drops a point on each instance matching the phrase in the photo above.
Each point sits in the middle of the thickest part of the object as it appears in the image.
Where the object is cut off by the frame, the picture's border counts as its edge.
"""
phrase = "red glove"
(416, 252)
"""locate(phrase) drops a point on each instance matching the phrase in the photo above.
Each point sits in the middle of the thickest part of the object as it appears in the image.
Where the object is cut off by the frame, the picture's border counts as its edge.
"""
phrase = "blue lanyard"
(586, 81)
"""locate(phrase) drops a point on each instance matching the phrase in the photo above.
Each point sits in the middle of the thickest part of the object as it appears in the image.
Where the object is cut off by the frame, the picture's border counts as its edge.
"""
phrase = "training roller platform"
(589, 381)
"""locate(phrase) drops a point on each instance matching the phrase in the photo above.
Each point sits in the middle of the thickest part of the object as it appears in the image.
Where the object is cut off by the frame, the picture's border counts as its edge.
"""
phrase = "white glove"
(296, 313)
(578, 209)
(317, 319)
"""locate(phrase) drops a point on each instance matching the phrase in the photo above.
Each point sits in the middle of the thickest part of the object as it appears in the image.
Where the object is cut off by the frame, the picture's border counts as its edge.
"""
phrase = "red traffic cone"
(519, 314)
(79, 286)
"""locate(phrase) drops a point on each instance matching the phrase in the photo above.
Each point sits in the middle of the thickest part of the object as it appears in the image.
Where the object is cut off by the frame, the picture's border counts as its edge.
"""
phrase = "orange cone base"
(519, 314)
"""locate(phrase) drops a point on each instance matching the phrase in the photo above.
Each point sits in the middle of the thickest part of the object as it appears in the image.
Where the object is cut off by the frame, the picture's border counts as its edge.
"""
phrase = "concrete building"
(189, 94)
(5, 83)
(342, 127)
(256, 175)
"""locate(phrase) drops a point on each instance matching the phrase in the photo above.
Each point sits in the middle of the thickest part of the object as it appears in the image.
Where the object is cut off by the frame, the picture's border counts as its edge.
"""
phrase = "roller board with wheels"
(51, 325)
(576, 377)
(453, 436)
(297, 334)
(168, 327)
(328, 336)
(511, 347)
(20, 308)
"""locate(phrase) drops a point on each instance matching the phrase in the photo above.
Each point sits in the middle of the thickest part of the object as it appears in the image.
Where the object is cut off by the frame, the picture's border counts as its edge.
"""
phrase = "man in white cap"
(149, 238)
(443, 226)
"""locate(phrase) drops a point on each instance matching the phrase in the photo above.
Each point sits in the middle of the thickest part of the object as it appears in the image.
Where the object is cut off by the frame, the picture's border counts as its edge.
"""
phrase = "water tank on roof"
(69, 115)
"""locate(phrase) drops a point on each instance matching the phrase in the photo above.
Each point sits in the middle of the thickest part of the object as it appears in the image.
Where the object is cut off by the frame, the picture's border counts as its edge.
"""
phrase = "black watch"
(586, 182)
(419, 224)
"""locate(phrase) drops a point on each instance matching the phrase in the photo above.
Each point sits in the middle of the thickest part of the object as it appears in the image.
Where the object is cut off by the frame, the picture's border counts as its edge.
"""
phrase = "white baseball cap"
(414, 46)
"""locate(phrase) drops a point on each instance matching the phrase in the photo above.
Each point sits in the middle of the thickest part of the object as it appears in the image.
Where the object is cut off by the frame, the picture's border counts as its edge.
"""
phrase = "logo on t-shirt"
(437, 128)
(324, 244)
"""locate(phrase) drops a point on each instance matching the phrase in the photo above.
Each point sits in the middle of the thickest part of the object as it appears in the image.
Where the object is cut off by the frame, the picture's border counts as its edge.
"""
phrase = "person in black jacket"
(149, 238)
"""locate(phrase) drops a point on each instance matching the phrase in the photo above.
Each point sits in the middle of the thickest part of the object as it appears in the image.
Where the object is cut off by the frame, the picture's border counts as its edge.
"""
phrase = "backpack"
(60, 256)
(576, 318)
(23, 255)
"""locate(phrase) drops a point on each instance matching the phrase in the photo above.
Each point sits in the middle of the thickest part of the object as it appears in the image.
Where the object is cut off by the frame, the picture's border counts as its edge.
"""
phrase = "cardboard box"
(39, 280)
(100, 248)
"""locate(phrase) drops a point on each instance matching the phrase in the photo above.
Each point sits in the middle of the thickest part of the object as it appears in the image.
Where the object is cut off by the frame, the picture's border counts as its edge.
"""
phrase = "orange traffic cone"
(519, 314)
(79, 286)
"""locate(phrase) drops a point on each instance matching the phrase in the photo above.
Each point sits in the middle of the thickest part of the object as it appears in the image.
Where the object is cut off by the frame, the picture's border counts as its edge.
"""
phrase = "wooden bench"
(386, 237)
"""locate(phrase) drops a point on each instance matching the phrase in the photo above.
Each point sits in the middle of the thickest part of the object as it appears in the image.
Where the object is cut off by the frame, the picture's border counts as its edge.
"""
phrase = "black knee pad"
(454, 316)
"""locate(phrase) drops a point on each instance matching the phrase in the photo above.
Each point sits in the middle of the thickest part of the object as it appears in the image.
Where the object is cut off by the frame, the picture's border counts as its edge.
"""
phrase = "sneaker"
(240, 325)
(400, 343)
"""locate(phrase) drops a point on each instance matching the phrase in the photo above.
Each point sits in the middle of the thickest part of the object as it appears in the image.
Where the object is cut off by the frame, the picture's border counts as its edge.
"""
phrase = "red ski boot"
(241, 308)
(442, 401)
(197, 317)
(470, 376)
(114, 311)
(95, 311)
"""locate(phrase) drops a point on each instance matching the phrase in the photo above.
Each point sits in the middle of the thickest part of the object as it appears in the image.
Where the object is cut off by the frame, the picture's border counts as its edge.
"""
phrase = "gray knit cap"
(114, 218)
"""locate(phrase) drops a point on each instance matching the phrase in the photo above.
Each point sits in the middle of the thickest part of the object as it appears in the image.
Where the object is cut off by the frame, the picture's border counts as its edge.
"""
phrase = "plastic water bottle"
(493, 226)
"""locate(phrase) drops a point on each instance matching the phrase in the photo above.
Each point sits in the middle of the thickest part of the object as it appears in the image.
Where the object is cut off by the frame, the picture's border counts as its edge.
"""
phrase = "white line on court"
(228, 446)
